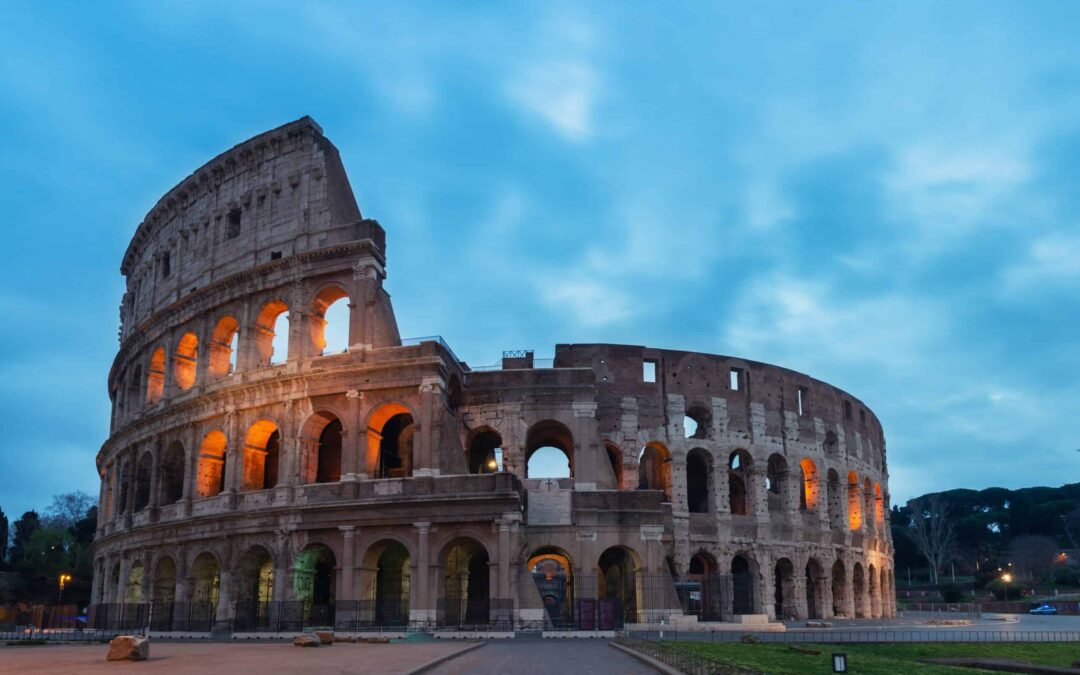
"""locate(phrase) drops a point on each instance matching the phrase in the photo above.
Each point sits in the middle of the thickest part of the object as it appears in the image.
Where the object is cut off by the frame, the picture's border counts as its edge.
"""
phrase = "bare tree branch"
(931, 531)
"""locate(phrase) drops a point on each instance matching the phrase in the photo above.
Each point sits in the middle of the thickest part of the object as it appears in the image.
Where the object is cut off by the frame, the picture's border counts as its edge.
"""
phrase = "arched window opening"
(206, 578)
(552, 573)
(839, 590)
(698, 481)
(832, 445)
(614, 455)
(142, 481)
(808, 498)
(389, 589)
(654, 469)
(879, 505)
(784, 589)
(261, 450)
(815, 589)
(858, 585)
(390, 434)
(777, 482)
(187, 357)
(171, 479)
(329, 461)
(836, 502)
(854, 502)
(222, 346)
(164, 586)
(618, 582)
(549, 451)
(739, 464)
(703, 591)
(155, 381)
(314, 582)
(272, 333)
(133, 594)
(329, 321)
(255, 579)
(485, 452)
(211, 476)
(742, 582)
(696, 422)
(466, 584)
(133, 397)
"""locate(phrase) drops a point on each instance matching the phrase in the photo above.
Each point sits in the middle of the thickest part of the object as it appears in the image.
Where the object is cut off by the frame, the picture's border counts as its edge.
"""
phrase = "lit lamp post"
(1006, 578)
(64, 579)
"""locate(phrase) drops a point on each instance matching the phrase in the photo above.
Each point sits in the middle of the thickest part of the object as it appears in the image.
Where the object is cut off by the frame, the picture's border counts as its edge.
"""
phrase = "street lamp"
(64, 579)
(1006, 578)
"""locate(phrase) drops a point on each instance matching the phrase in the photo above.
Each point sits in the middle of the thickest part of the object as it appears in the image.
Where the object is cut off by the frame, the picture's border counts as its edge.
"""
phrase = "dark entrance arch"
(742, 583)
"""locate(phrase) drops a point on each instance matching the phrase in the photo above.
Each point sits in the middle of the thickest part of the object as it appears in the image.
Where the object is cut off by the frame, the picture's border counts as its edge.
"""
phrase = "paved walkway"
(208, 658)
(533, 656)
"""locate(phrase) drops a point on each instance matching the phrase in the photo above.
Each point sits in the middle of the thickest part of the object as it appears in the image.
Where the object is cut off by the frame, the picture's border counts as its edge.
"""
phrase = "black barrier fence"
(610, 602)
(845, 636)
(465, 613)
(283, 616)
(680, 659)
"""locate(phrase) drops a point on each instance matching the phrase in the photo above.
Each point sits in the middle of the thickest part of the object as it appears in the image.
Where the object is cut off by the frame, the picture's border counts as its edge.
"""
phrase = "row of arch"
(329, 319)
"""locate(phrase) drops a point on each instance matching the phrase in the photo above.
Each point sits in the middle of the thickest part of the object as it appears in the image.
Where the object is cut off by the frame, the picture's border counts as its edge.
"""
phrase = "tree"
(931, 531)
(68, 508)
(1033, 555)
(1071, 523)
(24, 529)
(3, 536)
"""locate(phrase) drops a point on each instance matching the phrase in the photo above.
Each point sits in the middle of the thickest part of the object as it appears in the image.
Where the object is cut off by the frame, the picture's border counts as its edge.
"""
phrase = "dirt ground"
(207, 658)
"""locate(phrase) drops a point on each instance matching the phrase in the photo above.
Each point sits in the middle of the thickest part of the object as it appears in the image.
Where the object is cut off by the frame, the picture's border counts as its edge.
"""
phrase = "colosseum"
(256, 479)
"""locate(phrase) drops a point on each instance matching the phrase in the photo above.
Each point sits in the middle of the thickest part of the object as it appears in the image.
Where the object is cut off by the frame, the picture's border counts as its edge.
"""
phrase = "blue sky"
(882, 195)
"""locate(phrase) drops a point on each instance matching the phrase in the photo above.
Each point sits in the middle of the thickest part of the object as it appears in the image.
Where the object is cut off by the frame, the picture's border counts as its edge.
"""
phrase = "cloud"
(1051, 261)
(561, 92)
(592, 303)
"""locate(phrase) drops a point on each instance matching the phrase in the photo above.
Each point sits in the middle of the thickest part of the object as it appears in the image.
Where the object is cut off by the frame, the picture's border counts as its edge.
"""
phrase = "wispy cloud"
(1050, 264)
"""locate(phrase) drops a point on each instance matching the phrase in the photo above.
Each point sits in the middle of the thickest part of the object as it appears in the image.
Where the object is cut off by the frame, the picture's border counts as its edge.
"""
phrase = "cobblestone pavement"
(208, 658)
(534, 656)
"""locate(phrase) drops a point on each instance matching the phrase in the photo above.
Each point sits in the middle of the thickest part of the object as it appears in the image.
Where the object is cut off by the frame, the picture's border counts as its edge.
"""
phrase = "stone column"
(424, 461)
(348, 562)
(147, 575)
(234, 453)
(281, 567)
(155, 480)
(121, 584)
(224, 607)
(424, 604)
(191, 468)
(352, 438)
(97, 586)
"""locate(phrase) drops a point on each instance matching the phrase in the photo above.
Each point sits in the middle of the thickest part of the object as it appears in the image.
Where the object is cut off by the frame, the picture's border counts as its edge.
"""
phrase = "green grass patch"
(27, 643)
(883, 659)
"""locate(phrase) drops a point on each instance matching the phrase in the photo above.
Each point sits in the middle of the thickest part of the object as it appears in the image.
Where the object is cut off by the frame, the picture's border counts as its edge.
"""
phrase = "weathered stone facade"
(230, 476)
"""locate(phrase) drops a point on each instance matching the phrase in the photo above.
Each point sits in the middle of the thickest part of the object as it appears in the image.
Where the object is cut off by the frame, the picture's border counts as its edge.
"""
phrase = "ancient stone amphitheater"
(253, 480)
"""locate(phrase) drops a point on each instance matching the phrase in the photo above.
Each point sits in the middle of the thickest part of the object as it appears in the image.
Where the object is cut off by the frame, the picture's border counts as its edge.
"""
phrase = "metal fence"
(591, 602)
(846, 636)
(680, 659)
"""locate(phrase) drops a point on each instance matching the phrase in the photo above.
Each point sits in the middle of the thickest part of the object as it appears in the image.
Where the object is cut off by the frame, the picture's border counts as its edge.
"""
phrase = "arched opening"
(171, 478)
(206, 579)
(211, 476)
(832, 445)
(164, 588)
(618, 583)
(702, 592)
(262, 448)
(466, 583)
(854, 502)
(858, 587)
(485, 451)
(187, 357)
(742, 586)
(389, 590)
(551, 571)
(314, 583)
(698, 480)
(272, 333)
(155, 381)
(614, 455)
(133, 591)
(549, 451)
(776, 482)
(739, 464)
(879, 505)
(114, 584)
(784, 589)
(696, 422)
(390, 440)
(808, 498)
(836, 502)
(255, 576)
(839, 589)
(329, 321)
(322, 448)
(815, 589)
(133, 397)
(654, 469)
(143, 471)
(125, 485)
(223, 347)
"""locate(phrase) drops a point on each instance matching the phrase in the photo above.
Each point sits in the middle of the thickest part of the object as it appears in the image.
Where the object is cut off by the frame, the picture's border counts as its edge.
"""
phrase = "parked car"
(1044, 609)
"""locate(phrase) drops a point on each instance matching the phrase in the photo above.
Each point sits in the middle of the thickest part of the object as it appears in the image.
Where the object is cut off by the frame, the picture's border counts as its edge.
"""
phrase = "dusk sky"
(885, 196)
